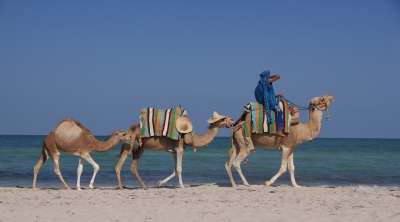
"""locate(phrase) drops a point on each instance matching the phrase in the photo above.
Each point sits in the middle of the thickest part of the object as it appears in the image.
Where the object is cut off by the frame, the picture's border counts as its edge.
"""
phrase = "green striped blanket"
(157, 122)
(256, 122)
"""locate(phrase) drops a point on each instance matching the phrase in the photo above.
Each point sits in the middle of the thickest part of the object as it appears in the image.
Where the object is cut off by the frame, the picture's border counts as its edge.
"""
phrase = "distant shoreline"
(228, 137)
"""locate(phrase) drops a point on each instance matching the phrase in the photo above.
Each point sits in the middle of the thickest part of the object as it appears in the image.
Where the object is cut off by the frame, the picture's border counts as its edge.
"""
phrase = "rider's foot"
(280, 133)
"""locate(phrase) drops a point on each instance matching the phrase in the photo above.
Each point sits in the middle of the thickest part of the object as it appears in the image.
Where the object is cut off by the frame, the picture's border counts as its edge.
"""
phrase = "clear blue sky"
(101, 62)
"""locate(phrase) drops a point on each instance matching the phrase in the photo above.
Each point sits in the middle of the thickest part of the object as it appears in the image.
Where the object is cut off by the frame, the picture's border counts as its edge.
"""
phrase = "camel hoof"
(296, 186)
(78, 188)
(91, 187)
(235, 186)
(160, 183)
(246, 184)
(68, 188)
(145, 188)
(267, 184)
(121, 188)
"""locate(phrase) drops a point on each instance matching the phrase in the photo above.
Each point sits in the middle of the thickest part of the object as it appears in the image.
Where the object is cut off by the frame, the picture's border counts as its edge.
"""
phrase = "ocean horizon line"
(221, 136)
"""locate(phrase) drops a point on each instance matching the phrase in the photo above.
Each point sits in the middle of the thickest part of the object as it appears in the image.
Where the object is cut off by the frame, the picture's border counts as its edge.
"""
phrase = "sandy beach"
(207, 202)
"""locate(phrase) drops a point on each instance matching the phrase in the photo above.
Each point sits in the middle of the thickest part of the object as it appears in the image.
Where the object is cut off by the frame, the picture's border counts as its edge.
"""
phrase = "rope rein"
(293, 104)
(311, 106)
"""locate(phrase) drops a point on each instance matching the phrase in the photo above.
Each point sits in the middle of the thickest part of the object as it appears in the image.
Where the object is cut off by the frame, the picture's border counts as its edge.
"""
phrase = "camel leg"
(39, 164)
(179, 152)
(135, 162)
(96, 168)
(291, 171)
(57, 171)
(228, 165)
(118, 167)
(161, 182)
(79, 173)
(238, 161)
(36, 171)
(285, 155)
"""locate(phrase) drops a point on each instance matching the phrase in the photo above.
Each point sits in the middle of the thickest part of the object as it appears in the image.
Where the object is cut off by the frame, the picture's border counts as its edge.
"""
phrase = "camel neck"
(102, 146)
(314, 122)
(206, 138)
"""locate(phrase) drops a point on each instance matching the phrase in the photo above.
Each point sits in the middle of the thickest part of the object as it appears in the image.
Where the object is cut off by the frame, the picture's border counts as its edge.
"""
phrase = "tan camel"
(242, 146)
(163, 144)
(70, 137)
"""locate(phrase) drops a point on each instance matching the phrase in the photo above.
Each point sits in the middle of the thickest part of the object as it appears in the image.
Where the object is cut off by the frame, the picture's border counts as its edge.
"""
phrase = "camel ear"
(184, 114)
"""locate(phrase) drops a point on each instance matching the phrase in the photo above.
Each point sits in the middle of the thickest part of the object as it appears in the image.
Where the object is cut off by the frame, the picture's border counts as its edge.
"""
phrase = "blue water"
(330, 162)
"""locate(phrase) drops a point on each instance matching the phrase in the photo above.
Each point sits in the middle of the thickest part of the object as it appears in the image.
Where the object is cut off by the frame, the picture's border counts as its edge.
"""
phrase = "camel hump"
(68, 130)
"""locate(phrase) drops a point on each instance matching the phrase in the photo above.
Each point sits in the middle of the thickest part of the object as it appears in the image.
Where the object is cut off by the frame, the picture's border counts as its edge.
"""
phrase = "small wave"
(373, 187)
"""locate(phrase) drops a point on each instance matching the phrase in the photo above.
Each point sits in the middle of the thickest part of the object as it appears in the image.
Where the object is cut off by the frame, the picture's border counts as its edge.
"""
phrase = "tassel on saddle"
(294, 112)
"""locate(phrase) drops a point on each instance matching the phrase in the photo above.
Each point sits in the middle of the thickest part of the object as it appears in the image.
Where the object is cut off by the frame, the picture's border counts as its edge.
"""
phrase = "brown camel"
(162, 144)
(70, 137)
(242, 146)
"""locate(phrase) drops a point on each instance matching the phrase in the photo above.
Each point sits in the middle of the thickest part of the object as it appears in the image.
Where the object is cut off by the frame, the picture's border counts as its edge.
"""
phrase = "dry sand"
(208, 202)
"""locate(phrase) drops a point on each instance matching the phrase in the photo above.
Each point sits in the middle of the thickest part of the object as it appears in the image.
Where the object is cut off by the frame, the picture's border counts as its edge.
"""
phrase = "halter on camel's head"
(321, 103)
(221, 121)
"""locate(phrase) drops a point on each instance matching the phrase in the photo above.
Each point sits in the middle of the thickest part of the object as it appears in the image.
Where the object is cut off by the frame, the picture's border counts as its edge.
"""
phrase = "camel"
(242, 146)
(163, 144)
(70, 137)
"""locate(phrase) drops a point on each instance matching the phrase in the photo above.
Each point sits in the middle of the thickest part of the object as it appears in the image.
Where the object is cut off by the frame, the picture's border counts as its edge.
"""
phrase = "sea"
(331, 162)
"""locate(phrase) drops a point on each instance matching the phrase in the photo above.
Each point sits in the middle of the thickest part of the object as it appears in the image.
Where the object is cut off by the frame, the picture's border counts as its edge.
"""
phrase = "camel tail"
(44, 152)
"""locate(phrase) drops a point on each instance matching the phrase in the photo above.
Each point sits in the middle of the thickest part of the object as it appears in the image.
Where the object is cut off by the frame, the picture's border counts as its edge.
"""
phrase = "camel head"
(321, 102)
(220, 121)
(123, 137)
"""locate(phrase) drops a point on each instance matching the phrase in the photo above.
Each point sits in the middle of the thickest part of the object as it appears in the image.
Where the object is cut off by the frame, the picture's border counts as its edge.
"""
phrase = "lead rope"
(327, 118)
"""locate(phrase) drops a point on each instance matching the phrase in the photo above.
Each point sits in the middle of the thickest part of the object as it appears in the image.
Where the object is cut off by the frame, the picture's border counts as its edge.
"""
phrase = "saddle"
(255, 120)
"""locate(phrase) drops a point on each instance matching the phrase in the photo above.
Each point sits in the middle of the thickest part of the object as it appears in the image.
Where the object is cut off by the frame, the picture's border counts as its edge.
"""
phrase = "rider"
(265, 95)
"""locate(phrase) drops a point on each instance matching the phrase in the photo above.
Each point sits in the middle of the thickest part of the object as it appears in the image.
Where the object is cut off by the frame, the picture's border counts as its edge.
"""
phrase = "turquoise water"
(330, 162)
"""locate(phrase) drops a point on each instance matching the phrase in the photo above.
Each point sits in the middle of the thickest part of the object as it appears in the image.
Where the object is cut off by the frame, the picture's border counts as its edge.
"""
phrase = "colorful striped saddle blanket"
(157, 122)
(255, 120)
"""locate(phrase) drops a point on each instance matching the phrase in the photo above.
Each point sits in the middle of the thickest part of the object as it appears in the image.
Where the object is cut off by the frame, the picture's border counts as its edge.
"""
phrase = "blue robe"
(265, 94)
